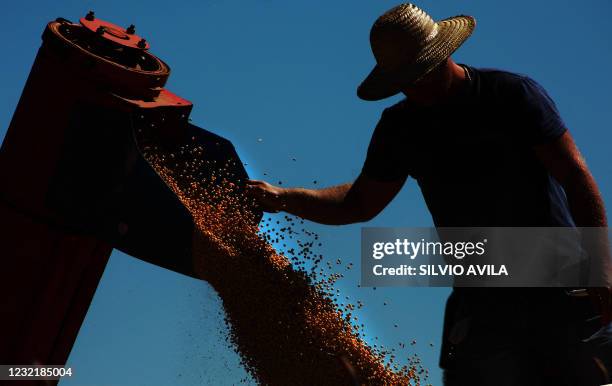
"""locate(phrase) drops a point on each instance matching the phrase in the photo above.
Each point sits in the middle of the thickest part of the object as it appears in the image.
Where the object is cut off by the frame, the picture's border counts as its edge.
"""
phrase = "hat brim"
(452, 32)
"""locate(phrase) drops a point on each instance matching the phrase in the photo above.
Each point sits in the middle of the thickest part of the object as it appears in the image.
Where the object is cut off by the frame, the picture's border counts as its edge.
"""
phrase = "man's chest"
(469, 141)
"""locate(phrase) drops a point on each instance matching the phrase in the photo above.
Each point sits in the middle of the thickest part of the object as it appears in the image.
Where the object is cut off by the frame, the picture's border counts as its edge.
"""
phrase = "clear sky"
(286, 72)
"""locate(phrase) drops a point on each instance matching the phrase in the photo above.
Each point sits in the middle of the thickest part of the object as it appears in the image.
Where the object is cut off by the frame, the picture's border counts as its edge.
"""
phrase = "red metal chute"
(73, 184)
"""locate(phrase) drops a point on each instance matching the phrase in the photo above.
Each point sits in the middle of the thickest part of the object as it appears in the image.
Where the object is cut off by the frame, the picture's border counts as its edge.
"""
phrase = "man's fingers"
(255, 191)
(265, 195)
(254, 182)
(258, 188)
(254, 187)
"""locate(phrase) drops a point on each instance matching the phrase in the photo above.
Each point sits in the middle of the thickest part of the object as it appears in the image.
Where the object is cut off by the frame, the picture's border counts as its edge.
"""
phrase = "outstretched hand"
(268, 197)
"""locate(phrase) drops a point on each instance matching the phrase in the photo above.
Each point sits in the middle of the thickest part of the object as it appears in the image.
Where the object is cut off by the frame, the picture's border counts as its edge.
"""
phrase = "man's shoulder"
(500, 73)
(496, 77)
(493, 83)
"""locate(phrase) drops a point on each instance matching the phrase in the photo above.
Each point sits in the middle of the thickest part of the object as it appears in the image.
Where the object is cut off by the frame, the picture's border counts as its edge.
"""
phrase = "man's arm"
(354, 202)
(564, 162)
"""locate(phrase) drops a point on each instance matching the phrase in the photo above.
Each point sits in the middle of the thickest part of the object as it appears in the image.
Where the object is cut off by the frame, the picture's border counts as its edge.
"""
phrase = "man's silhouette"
(487, 148)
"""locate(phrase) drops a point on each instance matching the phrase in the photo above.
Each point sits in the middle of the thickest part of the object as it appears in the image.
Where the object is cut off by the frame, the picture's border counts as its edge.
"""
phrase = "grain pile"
(284, 320)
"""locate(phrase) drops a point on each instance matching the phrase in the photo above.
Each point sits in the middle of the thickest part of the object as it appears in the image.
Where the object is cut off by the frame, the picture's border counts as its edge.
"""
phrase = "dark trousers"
(526, 337)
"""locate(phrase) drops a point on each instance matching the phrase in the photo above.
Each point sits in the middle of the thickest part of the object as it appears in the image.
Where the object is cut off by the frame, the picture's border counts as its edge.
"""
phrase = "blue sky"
(286, 72)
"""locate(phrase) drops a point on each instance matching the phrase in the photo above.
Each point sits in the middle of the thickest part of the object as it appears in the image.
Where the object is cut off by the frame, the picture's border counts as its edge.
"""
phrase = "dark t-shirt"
(473, 158)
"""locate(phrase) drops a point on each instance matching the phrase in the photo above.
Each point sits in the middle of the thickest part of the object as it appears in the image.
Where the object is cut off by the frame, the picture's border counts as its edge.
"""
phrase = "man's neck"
(447, 87)
(458, 78)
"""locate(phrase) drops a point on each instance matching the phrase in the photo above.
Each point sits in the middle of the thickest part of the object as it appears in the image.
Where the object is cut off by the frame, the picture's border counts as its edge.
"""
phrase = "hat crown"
(400, 34)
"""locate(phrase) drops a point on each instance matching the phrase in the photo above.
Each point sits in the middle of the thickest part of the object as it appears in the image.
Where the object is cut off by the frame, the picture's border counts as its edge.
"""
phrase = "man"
(487, 148)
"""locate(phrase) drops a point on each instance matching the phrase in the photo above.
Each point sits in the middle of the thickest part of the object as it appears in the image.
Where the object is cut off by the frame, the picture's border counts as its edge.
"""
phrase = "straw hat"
(407, 44)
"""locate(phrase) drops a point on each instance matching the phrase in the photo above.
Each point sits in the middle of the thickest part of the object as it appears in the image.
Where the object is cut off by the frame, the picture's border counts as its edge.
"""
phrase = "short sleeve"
(384, 159)
(542, 122)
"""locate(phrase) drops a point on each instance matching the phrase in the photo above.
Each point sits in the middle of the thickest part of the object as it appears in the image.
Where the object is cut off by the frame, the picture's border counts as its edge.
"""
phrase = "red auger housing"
(73, 184)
